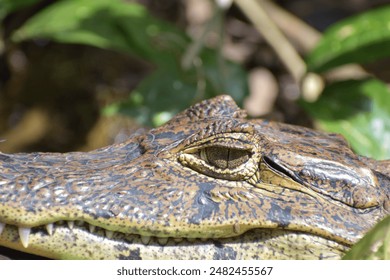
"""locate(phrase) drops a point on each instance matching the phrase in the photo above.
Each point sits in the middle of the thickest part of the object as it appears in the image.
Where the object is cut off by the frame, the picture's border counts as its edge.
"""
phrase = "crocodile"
(209, 184)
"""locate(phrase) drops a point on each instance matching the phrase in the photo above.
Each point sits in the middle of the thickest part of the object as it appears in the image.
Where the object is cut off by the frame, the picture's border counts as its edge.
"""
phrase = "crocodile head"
(209, 184)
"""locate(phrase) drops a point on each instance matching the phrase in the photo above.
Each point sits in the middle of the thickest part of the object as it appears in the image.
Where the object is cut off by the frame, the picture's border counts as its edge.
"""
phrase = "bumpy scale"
(209, 184)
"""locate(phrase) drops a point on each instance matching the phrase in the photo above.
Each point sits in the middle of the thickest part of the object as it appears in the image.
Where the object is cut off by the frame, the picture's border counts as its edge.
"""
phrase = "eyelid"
(198, 148)
(223, 142)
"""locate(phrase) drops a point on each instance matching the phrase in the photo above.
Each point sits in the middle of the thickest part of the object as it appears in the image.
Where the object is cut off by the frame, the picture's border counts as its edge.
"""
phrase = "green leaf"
(8, 6)
(168, 90)
(128, 27)
(375, 245)
(158, 98)
(358, 109)
(358, 39)
(109, 24)
(224, 76)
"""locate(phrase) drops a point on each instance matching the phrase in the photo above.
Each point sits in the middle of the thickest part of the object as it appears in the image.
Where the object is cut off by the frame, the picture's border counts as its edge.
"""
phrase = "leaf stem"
(306, 37)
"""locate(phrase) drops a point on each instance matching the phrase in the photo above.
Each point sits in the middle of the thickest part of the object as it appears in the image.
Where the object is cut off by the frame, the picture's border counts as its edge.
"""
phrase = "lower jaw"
(78, 243)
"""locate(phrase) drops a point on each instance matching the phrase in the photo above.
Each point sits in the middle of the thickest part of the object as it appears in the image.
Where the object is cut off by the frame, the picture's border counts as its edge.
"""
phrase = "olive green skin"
(290, 193)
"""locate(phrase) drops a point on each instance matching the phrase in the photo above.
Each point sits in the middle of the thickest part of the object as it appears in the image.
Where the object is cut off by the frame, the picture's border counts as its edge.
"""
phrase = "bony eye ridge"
(224, 158)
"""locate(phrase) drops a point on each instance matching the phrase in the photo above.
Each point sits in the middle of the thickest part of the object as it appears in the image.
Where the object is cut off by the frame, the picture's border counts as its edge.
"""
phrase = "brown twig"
(268, 17)
(264, 24)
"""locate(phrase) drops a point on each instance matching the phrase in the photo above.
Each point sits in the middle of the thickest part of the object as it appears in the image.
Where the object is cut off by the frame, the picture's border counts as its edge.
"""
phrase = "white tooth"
(109, 234)
(162, 240)
(145, 239)
(49, 229)
(24, 234)
(237, 228)
(91, 228)
(70, 224)
(2, 226)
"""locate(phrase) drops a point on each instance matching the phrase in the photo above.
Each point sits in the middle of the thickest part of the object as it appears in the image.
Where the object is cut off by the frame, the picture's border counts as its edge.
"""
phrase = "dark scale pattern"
(157, 184)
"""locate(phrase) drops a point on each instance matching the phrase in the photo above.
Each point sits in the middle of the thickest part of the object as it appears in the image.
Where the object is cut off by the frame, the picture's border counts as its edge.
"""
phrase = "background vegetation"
(70, 69)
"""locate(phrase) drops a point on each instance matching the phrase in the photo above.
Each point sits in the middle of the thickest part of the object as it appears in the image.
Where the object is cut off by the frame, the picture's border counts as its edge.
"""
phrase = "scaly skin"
(209, 184)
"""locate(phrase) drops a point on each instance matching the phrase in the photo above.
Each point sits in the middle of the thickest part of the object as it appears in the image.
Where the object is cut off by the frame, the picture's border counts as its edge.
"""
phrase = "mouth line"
(49, 230)
(79, 242)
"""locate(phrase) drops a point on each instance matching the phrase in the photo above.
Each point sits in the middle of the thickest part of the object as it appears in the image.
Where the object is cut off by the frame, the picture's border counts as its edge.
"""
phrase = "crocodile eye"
(223, 158)
(222, 162)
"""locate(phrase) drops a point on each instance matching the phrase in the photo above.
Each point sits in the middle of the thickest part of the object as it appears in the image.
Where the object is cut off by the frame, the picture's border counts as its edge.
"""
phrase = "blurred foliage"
(375, 245)
(360, 110)
(128, 27)
(358, 39)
